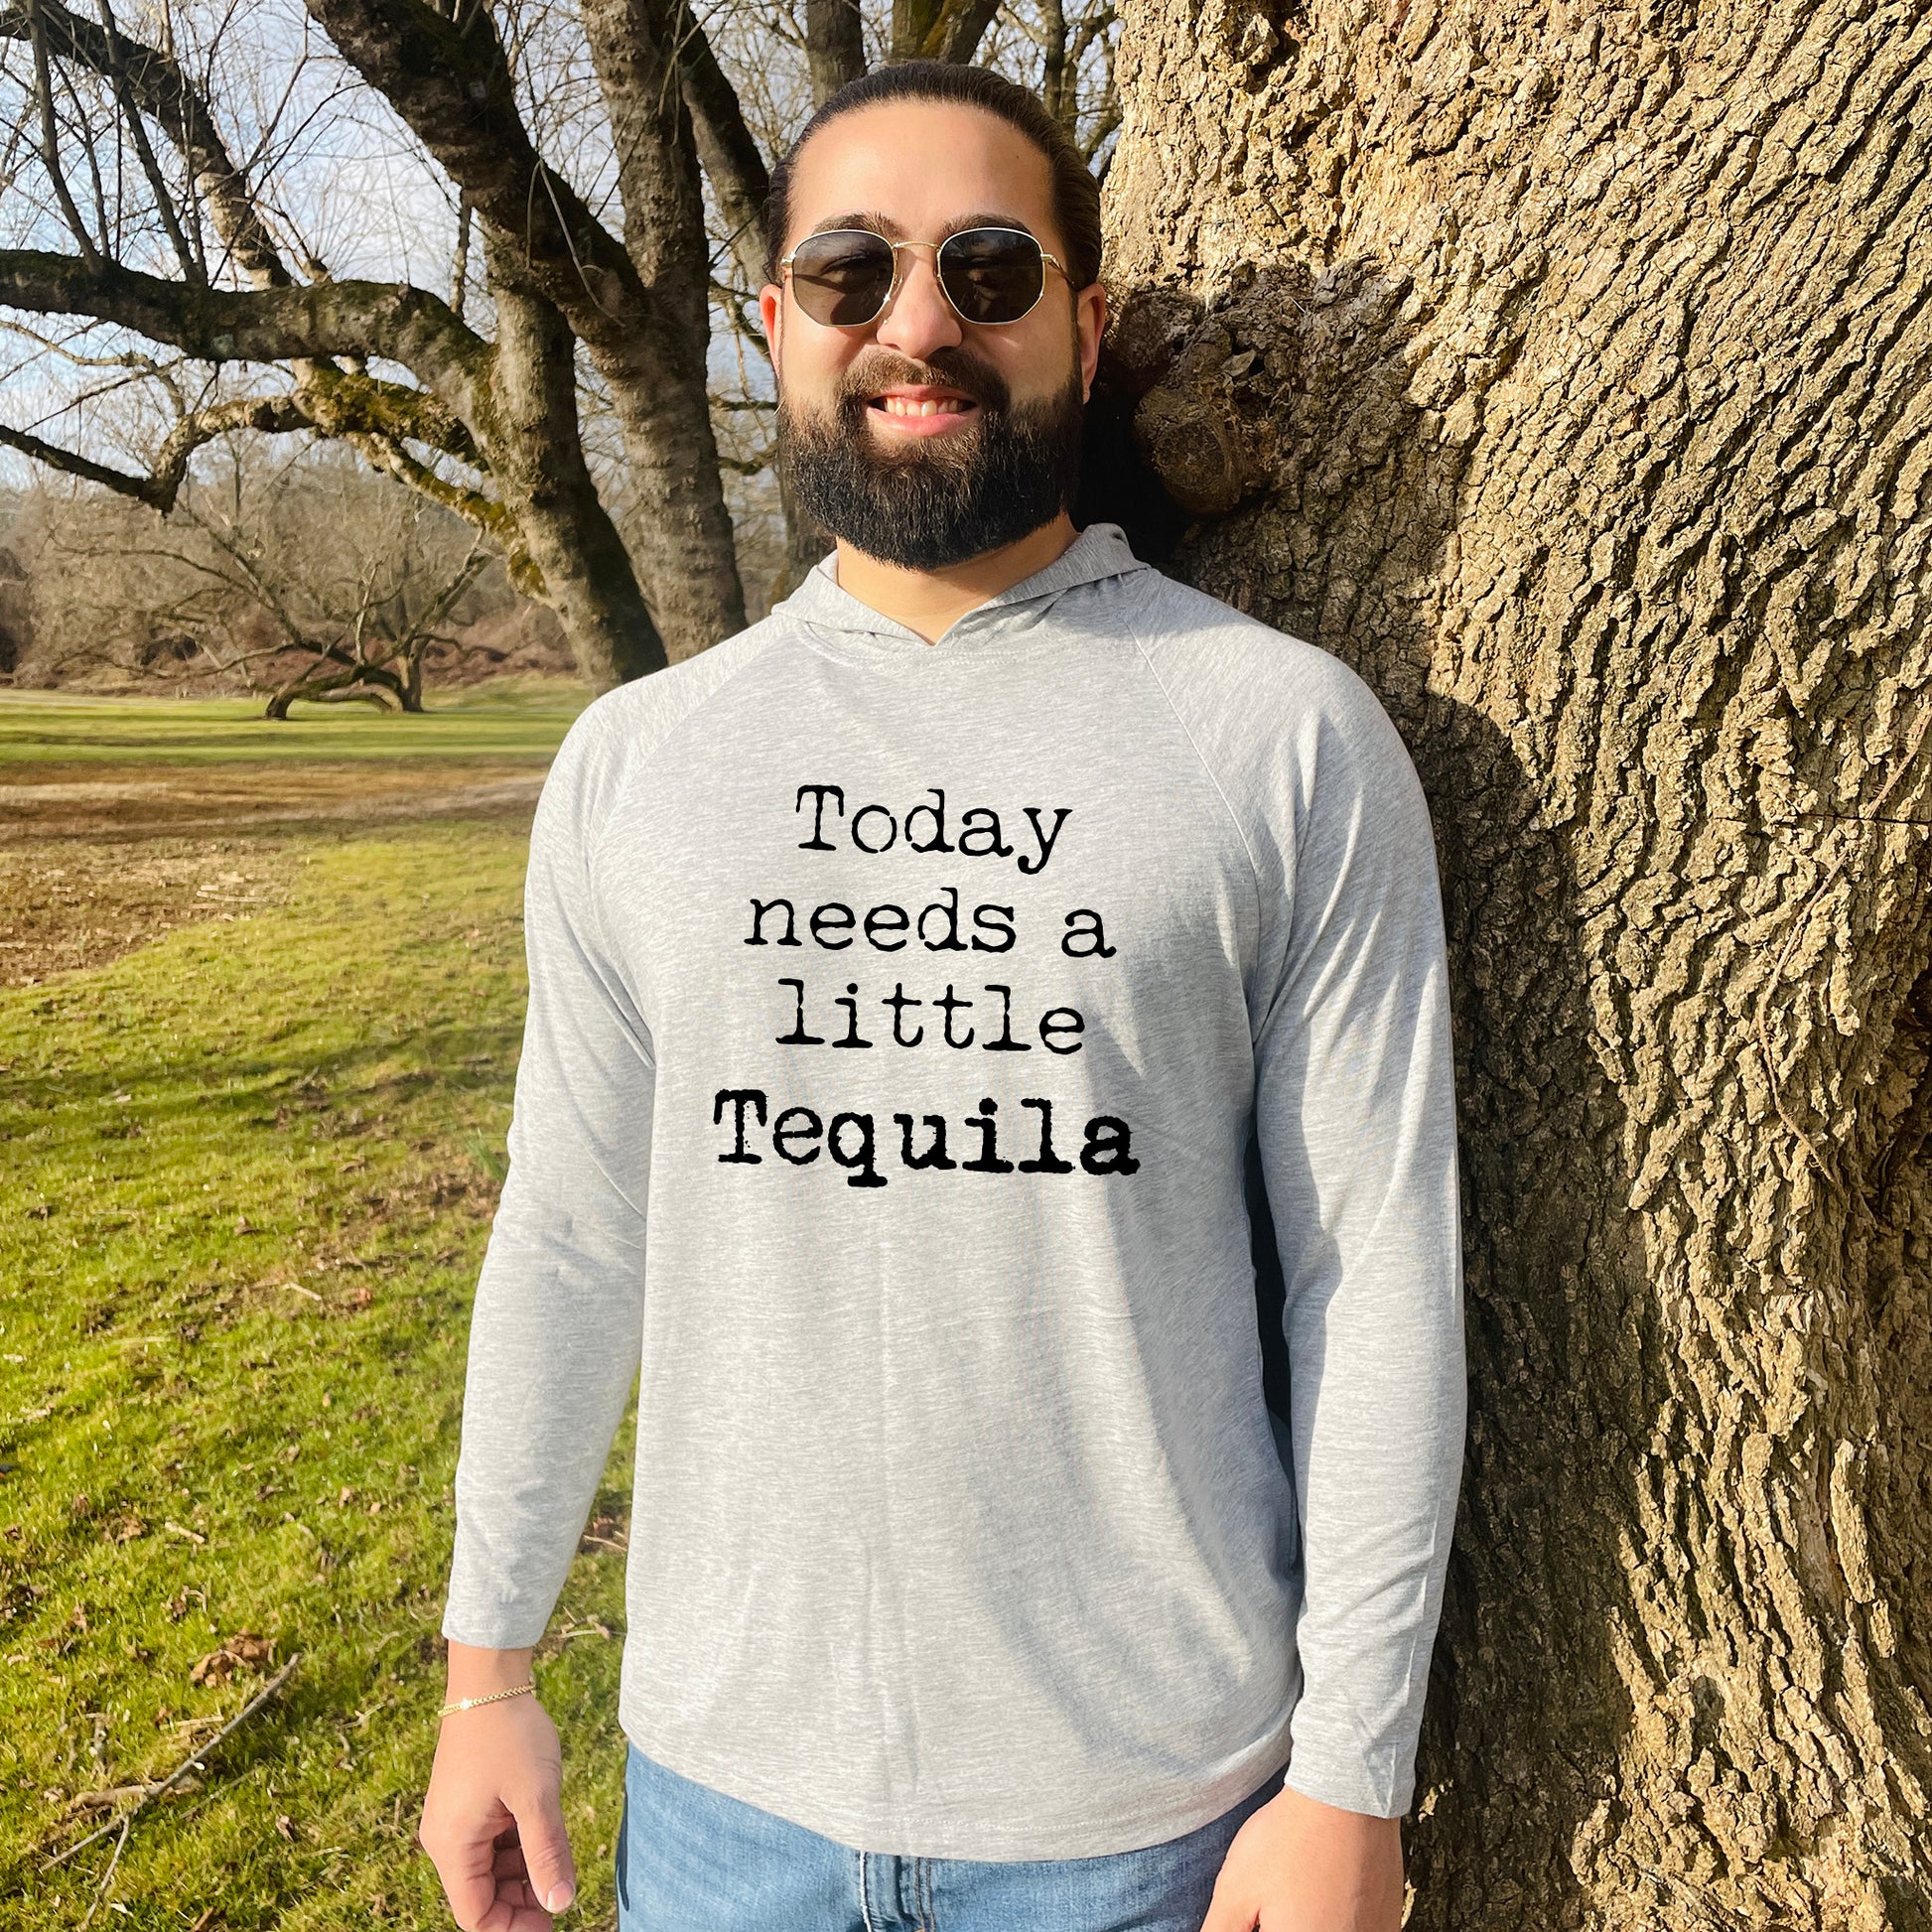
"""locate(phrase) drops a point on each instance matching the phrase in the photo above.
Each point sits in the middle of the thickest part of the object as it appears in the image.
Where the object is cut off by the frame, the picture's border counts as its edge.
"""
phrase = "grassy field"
(247, 1164)
(514, 718)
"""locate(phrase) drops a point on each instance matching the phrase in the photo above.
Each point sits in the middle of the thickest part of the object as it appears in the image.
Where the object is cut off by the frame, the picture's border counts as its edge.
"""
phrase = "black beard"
(943, 499)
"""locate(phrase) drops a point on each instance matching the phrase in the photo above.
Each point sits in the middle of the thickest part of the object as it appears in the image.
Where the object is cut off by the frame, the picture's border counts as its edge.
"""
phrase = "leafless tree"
(583, 384)
(302, 575)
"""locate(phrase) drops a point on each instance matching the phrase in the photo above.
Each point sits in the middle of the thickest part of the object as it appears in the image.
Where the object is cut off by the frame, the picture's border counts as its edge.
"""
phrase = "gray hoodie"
(897, 1016)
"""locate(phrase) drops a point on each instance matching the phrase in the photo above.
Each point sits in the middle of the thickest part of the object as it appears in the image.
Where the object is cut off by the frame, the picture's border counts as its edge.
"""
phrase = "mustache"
(951, 368)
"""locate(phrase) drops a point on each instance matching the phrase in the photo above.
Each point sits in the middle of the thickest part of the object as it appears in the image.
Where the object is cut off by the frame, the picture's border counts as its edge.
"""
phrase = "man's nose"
(920, 318)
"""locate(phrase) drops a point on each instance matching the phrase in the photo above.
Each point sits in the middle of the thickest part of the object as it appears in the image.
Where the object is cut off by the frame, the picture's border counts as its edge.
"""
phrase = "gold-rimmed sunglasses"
(844, 277)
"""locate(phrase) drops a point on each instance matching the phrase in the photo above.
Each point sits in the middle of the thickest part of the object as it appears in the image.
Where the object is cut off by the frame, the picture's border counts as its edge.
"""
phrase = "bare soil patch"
(75, 800)
(98, 859)
(68, 904)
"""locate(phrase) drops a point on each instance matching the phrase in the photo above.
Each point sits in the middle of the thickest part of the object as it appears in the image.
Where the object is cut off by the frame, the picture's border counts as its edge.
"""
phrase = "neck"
(932, 601)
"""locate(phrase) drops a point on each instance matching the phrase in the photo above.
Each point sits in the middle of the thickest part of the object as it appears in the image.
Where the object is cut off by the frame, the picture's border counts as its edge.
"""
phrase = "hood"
(1098, 556)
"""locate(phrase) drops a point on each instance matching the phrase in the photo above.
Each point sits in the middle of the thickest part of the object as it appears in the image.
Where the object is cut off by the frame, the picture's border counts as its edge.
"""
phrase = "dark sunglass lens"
(992, 274)
(841, 278)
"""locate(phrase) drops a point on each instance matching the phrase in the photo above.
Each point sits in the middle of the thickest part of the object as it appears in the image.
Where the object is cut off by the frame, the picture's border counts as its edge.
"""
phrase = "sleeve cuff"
(1351, 1786)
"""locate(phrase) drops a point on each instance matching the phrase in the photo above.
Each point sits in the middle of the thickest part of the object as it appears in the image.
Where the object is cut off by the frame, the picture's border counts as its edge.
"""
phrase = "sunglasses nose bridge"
(904, 268)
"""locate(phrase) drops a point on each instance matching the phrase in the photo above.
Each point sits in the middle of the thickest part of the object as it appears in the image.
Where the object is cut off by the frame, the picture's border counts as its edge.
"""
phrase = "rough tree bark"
(835, 45)
(1565, 370)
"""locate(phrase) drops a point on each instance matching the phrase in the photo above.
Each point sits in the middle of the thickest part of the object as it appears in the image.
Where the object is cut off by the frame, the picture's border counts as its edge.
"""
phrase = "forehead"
(914, 169)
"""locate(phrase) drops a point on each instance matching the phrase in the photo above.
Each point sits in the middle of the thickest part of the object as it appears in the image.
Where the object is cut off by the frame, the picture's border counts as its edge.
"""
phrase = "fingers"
(1236, 1903)
(495, 1894)
(485, 1877)
(493, 1820)
(513, 1878)
(465, 1856)
(1230, 1912)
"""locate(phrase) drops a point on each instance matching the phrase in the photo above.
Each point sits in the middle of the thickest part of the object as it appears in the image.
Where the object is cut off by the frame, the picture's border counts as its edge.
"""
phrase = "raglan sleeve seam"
(1207, 770)
(609, 812)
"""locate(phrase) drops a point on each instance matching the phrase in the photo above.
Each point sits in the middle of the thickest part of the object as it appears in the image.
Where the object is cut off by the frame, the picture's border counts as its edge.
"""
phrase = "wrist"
(478, 1672)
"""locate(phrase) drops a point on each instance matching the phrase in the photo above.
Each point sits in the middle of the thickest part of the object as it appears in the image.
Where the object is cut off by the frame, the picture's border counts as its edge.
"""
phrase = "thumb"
(546, 1847)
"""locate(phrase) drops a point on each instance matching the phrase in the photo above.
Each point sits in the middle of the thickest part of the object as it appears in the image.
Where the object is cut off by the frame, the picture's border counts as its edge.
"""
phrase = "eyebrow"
(884, 224)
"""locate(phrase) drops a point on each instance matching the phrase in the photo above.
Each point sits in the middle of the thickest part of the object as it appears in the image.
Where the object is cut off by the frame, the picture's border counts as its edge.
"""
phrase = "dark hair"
(1076, 194)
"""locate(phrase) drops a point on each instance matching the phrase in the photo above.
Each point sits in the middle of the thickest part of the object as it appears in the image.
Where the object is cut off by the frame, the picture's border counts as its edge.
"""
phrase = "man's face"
(918, 438)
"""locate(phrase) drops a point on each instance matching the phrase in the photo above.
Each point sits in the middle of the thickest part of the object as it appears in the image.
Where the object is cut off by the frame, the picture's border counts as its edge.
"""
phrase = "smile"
(923, 412)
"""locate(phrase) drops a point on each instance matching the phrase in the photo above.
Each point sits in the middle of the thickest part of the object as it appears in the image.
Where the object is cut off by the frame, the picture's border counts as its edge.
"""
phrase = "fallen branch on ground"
(108, 1799)
(194, 1761)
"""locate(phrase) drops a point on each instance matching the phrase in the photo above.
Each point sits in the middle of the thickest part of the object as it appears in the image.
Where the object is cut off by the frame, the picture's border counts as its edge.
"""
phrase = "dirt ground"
(51, 800)
(74, 902)
(97, 859)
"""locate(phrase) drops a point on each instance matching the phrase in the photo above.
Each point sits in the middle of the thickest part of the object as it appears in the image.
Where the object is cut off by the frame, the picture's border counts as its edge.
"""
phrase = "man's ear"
(771, 309)
(1091, 320)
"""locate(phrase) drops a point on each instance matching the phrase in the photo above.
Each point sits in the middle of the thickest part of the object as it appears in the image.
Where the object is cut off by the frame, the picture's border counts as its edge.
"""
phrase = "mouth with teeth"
(922, 411)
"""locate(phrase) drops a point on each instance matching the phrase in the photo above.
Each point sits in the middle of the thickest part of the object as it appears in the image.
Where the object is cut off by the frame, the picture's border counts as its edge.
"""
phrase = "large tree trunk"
(1567, 374)
(536, 454)
(642, 319)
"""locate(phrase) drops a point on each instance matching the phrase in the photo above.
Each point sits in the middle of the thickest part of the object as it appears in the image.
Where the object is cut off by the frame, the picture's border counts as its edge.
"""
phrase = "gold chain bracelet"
(466, 1704)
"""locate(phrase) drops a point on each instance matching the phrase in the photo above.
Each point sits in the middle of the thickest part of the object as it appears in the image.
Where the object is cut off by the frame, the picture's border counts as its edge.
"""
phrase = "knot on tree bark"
(1223, 394)
(1171, 368)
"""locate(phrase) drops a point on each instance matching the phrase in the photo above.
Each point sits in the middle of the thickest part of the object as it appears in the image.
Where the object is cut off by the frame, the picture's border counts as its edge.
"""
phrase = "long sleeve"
(556, 1332)
(1356, 1122)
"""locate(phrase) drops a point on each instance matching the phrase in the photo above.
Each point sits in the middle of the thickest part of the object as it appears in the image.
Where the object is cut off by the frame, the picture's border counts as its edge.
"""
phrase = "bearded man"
(909, 977)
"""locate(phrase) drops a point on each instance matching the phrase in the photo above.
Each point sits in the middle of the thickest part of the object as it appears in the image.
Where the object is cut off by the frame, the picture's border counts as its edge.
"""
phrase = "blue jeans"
(692, 1859)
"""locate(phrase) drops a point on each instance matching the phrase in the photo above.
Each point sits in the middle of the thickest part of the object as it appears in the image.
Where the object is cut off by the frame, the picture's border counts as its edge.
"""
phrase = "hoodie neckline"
(841, 620)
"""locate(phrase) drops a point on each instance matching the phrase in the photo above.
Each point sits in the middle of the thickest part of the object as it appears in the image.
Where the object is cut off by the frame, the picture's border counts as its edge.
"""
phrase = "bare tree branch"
(961, 28)
(1057, 69)
(193, 267)
(145, 490)
(352, 402)
(272, 416)
(735, 170)
(482, 514)
(125, 358)
(452, 85)
(460, 265)
(941, 30)
(569, 542)
(84, 138)
(632, 45)
(49, 134)
(157, 85)
(388, 320)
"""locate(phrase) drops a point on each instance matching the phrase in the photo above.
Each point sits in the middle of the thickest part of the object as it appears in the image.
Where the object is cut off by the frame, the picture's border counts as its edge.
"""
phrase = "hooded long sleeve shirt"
(899, 1017)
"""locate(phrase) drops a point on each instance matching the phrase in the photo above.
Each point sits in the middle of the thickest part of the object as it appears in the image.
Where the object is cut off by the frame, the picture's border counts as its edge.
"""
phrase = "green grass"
(308, 1098)
(510, 719)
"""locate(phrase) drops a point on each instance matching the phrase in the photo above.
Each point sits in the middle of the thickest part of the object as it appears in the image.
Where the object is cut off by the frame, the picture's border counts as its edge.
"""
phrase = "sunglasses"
(844, 277)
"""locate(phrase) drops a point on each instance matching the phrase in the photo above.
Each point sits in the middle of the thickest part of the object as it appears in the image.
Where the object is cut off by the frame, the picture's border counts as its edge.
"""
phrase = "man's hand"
(493, 1819)
(1300, 1865)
